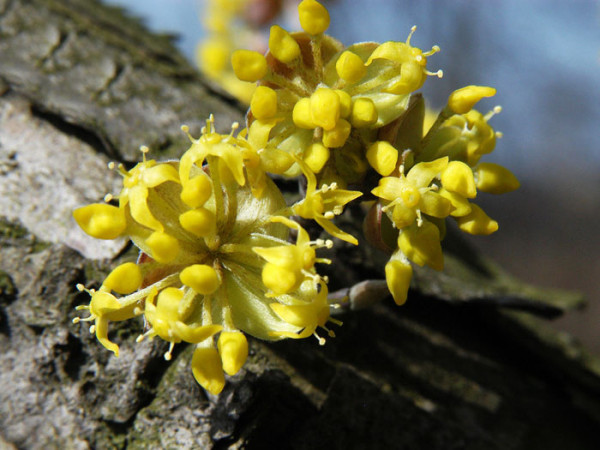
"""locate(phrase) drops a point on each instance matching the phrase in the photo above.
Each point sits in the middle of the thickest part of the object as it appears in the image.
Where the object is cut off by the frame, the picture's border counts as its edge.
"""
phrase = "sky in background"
(543, 56)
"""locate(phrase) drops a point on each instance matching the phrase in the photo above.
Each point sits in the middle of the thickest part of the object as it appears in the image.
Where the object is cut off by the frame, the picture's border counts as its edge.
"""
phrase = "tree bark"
(468, 362)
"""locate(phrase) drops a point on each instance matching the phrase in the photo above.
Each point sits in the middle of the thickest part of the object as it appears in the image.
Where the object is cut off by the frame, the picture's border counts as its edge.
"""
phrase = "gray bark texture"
(469, 362)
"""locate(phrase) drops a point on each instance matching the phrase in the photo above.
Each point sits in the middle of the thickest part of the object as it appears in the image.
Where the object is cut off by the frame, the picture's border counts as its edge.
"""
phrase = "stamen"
(319, 338)
(331, 333)
(439, 73)
(339, 323)
(419, 218)
(323, 260)
(144, 150)
(141, 337)
(493, 112)
(169, 353)
(412, 31)
(435, 49)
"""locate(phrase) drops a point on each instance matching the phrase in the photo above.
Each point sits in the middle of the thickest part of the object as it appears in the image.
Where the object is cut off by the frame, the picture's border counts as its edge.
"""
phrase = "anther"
(108, 198)
(144, 150)
(319, 338)
(412, 31)
(434, 49)
(329, 215)
(92, 329)
(76, 320)
(80, 287)
(169, 353)
(493, 112)
(111, 165)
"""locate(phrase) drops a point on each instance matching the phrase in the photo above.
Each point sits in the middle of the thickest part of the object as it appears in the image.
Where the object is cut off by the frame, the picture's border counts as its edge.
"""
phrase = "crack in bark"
(111, 81)
(63, 38)
(95, 140)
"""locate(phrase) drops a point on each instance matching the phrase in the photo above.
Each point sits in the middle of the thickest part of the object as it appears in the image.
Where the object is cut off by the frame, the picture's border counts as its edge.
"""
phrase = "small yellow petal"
(422, 245)
(264, 103)
(314, 18)
(462, 100)
(301, 114)
(283, 46)
(325, 108)
(345, 103)
(461, 205)
(124, 279)
(495, 179)
(337, 136)
(163, 248)
(364, 113)
(201, 221)
(208, 370)
(398, 276)
(350, 67)
(201, 278)
(101, 221)
(248, 65)
(233, 348)
(315, 156)
(477, 222)
(458, 178)
(383, 157)
(196, 191)
(194, 334)
(280, 280)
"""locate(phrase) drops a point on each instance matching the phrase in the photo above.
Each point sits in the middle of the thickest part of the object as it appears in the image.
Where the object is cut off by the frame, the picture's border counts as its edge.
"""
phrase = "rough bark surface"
(467, 363)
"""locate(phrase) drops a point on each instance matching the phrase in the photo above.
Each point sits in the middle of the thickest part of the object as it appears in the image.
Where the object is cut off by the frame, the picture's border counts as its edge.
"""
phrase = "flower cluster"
(221, 255)
(215, 257)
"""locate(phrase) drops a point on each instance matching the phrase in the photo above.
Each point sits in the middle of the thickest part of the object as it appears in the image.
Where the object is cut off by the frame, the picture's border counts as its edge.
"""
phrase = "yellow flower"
(288, 266)
(103, 308)
(199, 230)
(307, 315)
(421, 244)
(330, 96)
(409, 196)
(322, 205)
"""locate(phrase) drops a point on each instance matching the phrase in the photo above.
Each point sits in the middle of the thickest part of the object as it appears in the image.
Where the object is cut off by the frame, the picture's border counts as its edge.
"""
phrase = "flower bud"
(248, 65)
(314, 18)
(462, 100)
(233, 348)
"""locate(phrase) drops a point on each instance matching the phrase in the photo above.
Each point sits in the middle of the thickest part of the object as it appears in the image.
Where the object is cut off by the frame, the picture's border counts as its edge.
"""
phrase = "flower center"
(410, 196)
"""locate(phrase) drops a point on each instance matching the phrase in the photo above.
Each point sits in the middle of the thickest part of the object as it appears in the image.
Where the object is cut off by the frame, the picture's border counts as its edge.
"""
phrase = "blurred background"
(543, 56)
